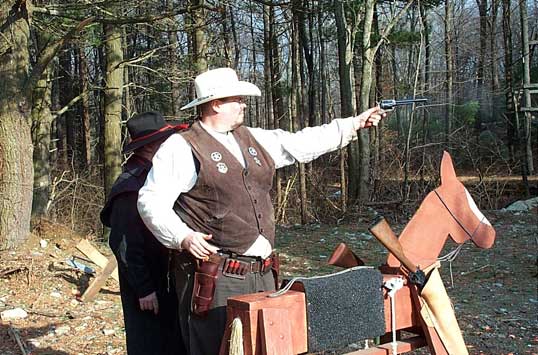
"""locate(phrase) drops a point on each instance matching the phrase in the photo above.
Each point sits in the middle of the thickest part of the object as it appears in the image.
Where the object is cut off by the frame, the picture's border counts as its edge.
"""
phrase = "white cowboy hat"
(218, 83)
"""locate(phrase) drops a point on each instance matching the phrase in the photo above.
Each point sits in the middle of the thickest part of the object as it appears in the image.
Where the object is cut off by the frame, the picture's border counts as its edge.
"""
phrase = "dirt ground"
(494, 292)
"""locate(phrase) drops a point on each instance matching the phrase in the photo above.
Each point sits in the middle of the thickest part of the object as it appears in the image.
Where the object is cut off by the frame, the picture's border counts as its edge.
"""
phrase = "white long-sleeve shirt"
(174, 172)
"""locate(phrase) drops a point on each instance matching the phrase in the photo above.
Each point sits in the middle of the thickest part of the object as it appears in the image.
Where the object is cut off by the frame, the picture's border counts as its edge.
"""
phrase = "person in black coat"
(147, 294)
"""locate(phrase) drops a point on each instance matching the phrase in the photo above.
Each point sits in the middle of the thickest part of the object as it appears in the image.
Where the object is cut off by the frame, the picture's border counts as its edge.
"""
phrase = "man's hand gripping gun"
(389, 105)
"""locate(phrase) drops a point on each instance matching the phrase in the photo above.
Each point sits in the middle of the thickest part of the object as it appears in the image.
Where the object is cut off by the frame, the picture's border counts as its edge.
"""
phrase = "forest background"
(72, 73)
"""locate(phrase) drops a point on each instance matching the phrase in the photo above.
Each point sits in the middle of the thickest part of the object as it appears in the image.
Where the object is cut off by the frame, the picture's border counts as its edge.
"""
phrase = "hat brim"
(135, 145)
(241, 88)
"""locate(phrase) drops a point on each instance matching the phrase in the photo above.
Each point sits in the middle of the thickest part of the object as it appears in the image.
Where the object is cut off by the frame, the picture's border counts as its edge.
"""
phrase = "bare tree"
(16, 88)
(525, 48)
(113, 104)
(449, 55)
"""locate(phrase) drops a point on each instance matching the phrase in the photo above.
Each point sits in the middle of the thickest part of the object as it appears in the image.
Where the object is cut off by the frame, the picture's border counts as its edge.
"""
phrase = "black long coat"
(143, 268)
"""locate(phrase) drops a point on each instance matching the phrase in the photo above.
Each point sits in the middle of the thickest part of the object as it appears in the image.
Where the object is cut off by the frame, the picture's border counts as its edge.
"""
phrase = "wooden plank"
(276, 332)
(432, 338)
(100, 280)
(403, 346)
(94, 255)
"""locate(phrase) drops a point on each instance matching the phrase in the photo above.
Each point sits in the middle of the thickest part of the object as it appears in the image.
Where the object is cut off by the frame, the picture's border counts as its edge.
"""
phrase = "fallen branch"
(13, 270)
(14, 333)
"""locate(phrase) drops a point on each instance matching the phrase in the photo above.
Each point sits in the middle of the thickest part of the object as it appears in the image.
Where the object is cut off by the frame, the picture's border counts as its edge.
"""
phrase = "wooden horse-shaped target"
(279, 326)
(449, 210)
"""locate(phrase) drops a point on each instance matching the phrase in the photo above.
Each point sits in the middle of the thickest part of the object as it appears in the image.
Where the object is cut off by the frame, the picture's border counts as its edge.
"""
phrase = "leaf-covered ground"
(494, 291)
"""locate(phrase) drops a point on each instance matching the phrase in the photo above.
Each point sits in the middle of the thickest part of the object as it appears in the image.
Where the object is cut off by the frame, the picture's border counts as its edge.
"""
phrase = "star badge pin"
(216, 156)
(252, 151)
(222, 168)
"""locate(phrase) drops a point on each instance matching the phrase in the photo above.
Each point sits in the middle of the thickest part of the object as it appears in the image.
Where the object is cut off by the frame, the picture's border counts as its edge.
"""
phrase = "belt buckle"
(235, 268)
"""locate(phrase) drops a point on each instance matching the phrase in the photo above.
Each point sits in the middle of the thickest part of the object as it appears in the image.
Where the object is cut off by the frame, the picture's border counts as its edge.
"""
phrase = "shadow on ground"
(10, 346)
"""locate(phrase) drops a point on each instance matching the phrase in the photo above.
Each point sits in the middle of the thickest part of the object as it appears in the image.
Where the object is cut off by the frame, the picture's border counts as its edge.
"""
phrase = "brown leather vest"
(228, 201)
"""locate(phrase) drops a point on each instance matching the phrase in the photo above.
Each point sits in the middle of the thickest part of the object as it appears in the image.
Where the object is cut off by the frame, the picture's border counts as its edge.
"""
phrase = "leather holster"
(205, 281)
(275, 269)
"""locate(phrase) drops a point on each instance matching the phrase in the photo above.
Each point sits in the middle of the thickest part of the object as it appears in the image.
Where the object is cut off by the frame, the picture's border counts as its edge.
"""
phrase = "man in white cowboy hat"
(208, 195)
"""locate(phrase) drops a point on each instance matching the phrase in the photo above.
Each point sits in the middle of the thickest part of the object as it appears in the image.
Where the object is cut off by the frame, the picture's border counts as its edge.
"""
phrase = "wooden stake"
(100, 280)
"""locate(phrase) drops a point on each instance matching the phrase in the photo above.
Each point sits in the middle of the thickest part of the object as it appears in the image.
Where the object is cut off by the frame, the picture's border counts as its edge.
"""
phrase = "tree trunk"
(100, 60)
(237, 50)
(368, 55)
(16, 171)
(279, 89)
(308, 91)
(71, 120)
(85, 109)
(512, 124)
(395, 92)
(267, 67)
(276, 96)
(200, 39)
(527, 142)
(377, 137)
(113, 105)
(449, 112)
(297, 99)
(172, 55)
(426, 82)
(65, 96)
(254, 117)
(41, 132)
(494, 55)
(322, 67)
(271, 120)
(224, 10)
(346, 39)
(407, 149)
(481, 90)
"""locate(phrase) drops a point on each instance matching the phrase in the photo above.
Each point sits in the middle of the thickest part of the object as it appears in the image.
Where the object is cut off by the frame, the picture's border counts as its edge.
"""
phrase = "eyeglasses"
(239, 100)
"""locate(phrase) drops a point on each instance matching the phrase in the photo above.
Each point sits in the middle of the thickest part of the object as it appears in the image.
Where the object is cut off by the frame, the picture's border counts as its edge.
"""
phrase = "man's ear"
(215, 105)
(207, 108)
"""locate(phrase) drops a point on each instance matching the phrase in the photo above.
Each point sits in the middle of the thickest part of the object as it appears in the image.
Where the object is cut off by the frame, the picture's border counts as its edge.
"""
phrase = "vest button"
(245, 173)
(261, 230)
(259, 215)
(255, 201)
(249, 187)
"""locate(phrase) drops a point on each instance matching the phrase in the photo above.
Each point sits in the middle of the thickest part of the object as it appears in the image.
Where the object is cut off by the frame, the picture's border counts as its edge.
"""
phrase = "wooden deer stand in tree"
(419, 304)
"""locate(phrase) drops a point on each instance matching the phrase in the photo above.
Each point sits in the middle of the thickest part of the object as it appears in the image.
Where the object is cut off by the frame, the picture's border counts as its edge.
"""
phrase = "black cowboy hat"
(148, 127)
